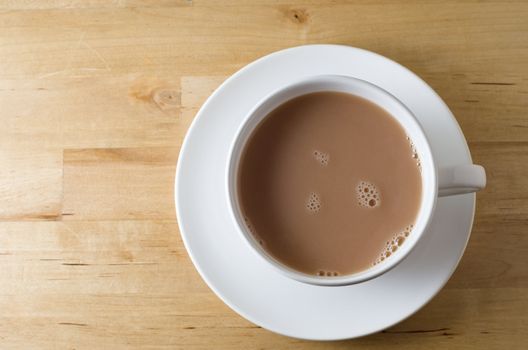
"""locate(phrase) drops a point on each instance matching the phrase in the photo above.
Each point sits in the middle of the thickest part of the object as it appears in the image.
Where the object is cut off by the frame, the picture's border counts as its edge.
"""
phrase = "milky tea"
(329, 184)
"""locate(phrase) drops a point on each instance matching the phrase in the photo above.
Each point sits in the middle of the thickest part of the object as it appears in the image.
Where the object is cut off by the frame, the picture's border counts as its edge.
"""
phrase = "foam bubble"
(393, 244)
(368, 195)
(249, 226)
(325, 273)
(313, 203)
(321, 157)
(251, 230)
(414, 153)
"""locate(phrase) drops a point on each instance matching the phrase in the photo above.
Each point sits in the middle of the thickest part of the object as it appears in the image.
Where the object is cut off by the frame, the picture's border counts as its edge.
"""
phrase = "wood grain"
(117, 183)
(30, 183)
(95, 99)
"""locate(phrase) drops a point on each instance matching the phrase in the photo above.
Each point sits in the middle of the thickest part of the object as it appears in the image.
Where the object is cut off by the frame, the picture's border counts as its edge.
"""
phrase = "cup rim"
(232, 198)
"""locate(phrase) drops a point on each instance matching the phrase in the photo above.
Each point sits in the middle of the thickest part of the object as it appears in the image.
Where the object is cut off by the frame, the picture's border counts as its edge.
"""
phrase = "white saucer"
(252, 288)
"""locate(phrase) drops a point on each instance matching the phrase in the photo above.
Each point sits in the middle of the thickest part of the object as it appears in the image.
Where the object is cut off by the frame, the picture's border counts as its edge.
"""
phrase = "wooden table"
(95, 99)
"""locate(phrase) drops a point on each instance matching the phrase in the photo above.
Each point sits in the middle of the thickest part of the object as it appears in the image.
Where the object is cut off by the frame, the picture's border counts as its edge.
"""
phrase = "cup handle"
(460, 179)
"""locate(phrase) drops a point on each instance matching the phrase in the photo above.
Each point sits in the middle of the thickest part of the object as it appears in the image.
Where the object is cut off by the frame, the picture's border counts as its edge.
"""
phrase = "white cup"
(435, 182)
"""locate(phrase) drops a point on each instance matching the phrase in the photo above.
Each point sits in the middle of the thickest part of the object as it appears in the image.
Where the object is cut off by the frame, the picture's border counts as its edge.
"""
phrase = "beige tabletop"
(95, 99)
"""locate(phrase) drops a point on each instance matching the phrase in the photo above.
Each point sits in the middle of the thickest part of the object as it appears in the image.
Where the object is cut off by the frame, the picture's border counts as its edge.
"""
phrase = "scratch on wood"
(230, 327)
(101, 58)
(192, 316)
(46, 75)
(75, 264)
(68, 69)
(490, 83)
(419, 331)
(49, 217)
(69, 229)
(72, 324)
(132, 263)
(70, 56)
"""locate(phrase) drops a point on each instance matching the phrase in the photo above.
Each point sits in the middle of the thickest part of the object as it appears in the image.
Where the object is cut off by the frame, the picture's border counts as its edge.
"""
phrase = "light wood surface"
(95, 99)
